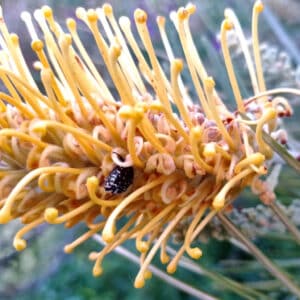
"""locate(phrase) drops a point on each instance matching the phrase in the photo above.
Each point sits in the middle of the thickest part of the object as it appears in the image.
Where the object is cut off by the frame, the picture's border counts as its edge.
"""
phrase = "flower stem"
(272, 268)
(265, 285)
(236, 266)
(284, 219)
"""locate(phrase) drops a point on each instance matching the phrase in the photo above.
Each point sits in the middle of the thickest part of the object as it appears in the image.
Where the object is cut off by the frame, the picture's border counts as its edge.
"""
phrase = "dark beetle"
(119, 180)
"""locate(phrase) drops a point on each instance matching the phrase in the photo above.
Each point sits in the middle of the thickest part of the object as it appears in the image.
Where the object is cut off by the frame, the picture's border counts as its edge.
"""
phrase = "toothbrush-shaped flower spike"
(146, 157)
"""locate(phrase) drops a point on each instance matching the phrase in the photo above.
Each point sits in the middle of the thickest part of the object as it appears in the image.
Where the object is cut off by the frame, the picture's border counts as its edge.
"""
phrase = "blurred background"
(43, 271)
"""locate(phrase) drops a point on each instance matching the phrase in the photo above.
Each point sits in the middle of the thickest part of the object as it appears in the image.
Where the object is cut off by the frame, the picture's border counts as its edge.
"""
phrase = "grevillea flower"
(72, 151)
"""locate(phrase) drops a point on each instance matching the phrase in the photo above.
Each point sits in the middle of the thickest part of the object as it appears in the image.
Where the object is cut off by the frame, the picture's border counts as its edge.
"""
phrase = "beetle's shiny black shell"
(119, 180)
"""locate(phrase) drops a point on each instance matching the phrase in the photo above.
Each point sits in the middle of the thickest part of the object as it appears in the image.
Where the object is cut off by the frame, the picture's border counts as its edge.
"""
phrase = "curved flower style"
(72, 151)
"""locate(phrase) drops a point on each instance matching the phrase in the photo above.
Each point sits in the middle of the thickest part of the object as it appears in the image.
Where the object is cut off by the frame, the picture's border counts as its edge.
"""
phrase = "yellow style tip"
(80, 13)
(97, 271)
(139, 282)
(93, 255)
(172, 267)
(25, 16)
(39, 127)
(227, 24)
(19, 244)
(71, 24)
(161, 21)
(182, 14)
(191, 8)
(68, 249)
(116, 50)
(140, 16)
(47, 11)
(209, 150)
(209, 83)
(14, 38)
(177, 65)
(66, 40)
(142, 246)
(126, 112)
(164, 259)
(196, 132)
(107, 8)
(93, 181)
(258, 6)
(37, 45)
(5, 217)
(124, 22)
(156, 105)
(92, 15)
(256, 159)
(218, 203)
(271, 113)
(195, 253)
(51, 214)
(108, 236)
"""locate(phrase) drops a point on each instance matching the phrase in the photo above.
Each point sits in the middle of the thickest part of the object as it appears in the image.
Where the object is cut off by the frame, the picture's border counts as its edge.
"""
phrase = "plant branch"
(238, 266)
(284, 219)
(236, 287)
(269, 265)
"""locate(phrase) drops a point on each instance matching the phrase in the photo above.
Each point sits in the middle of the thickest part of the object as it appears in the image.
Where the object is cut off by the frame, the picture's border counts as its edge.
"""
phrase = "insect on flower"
(119, 179)
(58, 144)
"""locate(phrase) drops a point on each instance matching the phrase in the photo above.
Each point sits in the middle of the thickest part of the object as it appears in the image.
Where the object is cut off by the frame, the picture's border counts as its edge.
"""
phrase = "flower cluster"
(132, 164)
